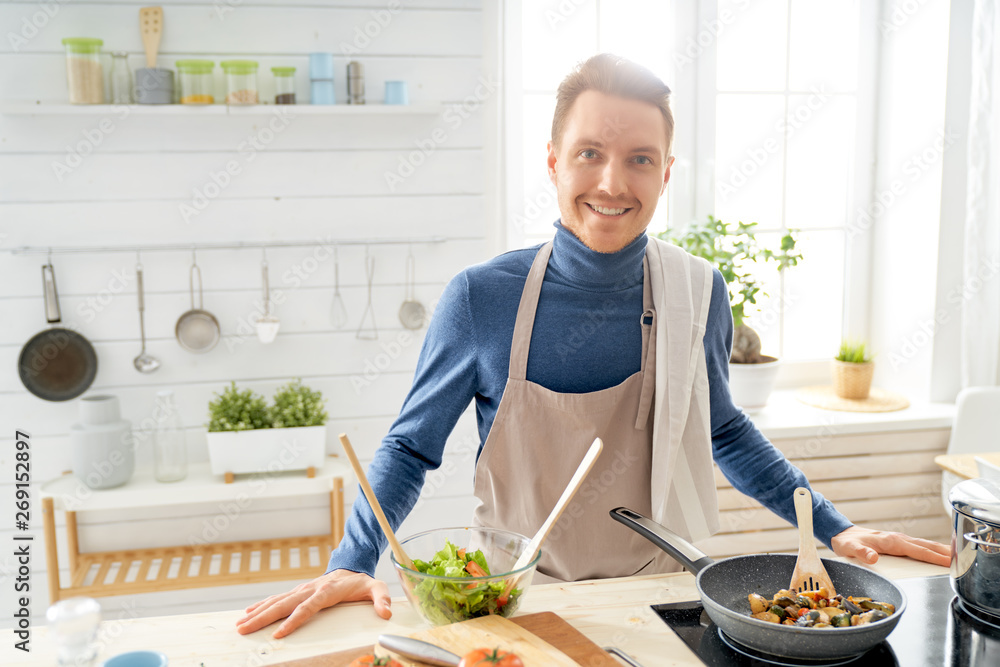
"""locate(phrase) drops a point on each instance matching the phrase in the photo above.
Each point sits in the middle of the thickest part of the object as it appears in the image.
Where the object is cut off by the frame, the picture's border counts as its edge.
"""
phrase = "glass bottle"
(121, 79)
(169, 448)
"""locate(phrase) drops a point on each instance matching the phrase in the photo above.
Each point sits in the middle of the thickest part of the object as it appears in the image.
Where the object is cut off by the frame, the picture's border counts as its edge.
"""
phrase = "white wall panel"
(321, 179)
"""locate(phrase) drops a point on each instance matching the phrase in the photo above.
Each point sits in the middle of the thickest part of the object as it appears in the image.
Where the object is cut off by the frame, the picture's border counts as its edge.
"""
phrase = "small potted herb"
(852, 371)
(246, 435)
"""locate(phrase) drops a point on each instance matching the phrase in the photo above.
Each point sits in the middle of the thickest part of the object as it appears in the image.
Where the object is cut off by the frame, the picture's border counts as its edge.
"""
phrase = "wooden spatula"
(397, 548)
(151, 25)
(809, 573)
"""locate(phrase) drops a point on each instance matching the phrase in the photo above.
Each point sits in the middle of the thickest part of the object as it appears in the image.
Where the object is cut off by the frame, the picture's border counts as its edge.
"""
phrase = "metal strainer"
(197, 329)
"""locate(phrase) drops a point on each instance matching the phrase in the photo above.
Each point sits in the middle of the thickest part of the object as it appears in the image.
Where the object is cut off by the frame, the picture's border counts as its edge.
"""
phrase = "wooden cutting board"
(550, 640)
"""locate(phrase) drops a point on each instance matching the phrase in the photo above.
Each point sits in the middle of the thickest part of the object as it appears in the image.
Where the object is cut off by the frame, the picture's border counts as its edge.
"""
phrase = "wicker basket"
(852, 380)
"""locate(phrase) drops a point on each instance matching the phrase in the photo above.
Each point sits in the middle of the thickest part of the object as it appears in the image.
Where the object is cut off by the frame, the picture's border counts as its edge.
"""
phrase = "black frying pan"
(725, 584)
(56, 364)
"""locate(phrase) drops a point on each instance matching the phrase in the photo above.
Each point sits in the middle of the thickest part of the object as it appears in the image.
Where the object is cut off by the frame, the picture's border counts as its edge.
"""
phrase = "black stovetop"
(935, 631)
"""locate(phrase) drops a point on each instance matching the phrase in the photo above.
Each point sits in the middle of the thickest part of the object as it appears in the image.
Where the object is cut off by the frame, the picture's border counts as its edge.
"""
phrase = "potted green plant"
(735, 251)
(852, 371)
(245, 434)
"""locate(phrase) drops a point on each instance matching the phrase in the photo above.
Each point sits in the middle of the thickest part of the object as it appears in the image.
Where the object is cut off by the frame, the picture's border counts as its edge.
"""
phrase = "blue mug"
(137, 659)
(396, 93)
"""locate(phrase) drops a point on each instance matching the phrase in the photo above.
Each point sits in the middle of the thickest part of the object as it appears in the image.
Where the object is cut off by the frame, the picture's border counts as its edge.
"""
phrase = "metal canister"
(975, 557)
(355, 83)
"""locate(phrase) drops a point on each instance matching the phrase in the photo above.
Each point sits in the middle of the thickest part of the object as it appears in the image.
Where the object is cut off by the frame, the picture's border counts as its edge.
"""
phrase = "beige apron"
(538, 439)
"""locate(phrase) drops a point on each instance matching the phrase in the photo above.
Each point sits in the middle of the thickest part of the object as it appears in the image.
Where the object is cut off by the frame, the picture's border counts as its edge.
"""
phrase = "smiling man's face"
(609, 169)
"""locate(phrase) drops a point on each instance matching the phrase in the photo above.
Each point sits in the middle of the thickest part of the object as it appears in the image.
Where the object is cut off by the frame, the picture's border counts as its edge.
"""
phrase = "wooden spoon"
(397, 548)
(151, 25)
(581, 473)
(809, 573)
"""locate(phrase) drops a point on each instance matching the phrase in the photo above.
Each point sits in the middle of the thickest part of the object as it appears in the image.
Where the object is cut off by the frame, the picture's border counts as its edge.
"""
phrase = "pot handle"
(975, 539)
(686, 553)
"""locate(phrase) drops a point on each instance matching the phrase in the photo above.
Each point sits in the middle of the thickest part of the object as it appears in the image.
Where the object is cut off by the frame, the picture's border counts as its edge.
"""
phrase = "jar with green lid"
(241, 81)
(284, 85)
(196, 81)
(84, 72)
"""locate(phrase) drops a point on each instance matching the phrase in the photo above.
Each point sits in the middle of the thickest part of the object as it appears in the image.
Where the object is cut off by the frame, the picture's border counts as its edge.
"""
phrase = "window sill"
(784, 416)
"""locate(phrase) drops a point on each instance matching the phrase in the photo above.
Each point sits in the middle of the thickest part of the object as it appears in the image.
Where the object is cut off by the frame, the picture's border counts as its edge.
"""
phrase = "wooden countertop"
(964, 465)
(612, 612)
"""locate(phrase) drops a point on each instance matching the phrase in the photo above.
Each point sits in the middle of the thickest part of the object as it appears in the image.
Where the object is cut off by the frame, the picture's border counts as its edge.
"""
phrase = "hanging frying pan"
(56, 364)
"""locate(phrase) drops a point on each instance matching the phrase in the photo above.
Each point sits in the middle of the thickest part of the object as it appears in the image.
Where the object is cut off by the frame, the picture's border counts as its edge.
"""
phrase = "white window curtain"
(980, 350)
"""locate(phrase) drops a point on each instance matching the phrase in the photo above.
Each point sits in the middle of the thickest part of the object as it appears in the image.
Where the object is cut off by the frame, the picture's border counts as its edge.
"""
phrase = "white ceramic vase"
(751, 384)
(102, 444)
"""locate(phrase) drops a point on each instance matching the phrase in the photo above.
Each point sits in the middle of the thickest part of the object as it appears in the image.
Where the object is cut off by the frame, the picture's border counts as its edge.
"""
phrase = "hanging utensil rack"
(188, 247)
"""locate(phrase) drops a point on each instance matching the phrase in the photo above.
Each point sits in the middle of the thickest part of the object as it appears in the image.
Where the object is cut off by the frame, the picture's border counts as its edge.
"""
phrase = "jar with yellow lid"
(241, 81)
(196, 81)
(84, 72)
(284, 85)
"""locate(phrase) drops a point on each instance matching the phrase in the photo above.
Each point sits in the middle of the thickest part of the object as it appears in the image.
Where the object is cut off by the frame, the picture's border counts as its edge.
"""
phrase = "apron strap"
(648, 323)
(525, 321)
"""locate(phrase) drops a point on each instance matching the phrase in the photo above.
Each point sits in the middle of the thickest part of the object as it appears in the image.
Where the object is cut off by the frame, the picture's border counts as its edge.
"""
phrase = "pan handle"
(52, 315)
(686, 553)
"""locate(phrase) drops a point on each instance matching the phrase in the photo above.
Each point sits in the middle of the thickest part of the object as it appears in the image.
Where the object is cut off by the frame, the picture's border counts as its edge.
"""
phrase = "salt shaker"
(73, 625)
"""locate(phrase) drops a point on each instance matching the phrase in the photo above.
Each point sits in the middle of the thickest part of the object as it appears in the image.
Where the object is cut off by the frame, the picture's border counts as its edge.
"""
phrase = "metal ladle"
(412, 313)
(145, 362)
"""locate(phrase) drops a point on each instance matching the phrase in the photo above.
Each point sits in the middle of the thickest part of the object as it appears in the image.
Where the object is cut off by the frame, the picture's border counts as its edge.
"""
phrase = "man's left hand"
(866, 544)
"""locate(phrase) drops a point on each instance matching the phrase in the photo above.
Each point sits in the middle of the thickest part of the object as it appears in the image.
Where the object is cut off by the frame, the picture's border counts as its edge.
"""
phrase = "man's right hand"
(306, 599)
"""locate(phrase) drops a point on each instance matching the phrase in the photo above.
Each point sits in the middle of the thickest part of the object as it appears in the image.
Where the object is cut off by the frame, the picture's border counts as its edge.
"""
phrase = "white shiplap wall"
(321, 177)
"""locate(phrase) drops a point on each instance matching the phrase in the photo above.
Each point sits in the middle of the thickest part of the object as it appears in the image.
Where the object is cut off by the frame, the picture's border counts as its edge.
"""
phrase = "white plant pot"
(267, 450)
(751, 384)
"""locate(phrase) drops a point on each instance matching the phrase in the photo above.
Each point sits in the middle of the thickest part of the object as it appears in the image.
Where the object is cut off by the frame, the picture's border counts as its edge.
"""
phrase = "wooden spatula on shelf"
(397, 548)
(809, 573)
(151, 26)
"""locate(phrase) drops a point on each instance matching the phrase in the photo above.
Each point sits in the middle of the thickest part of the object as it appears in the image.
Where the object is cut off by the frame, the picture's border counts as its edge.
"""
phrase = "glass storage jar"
(241, 81)
(284, 85)
(84, 72)
(196, 81)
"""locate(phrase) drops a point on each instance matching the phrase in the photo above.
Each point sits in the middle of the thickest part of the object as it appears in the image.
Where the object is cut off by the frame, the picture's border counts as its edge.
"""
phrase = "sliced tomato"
(490, 657)
(473, 568)
(461, 553)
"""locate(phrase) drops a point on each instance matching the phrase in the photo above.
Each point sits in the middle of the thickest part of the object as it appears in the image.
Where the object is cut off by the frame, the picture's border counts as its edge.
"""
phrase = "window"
(774, 115)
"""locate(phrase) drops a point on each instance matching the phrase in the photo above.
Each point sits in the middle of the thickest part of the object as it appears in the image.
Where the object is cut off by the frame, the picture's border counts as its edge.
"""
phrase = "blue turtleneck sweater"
(586, 338)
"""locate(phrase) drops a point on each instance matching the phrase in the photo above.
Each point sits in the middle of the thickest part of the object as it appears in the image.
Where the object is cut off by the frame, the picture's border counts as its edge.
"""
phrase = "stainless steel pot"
(975, 554)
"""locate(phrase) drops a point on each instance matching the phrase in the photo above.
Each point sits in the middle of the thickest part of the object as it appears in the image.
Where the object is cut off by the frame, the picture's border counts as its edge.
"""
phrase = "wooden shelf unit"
(129, 571)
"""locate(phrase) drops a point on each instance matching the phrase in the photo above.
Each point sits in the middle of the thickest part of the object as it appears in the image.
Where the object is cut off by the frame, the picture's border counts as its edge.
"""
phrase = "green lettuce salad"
(451, 601)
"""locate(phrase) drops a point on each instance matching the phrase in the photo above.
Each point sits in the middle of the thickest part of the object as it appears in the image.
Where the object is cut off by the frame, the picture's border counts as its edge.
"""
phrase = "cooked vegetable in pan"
(818, 609)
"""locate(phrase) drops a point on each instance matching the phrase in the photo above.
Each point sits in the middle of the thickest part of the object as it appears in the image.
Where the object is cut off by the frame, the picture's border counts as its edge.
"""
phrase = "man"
(573, 340)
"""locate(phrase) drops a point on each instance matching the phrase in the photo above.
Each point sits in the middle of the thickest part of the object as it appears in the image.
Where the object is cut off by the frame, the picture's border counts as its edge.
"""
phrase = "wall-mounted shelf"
(41, 108)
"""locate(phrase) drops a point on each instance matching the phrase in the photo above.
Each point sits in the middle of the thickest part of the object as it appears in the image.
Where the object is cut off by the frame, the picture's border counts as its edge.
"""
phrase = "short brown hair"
(612, 75)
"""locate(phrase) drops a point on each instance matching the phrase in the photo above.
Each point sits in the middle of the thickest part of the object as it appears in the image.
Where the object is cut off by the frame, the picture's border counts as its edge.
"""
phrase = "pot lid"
(977, 498)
